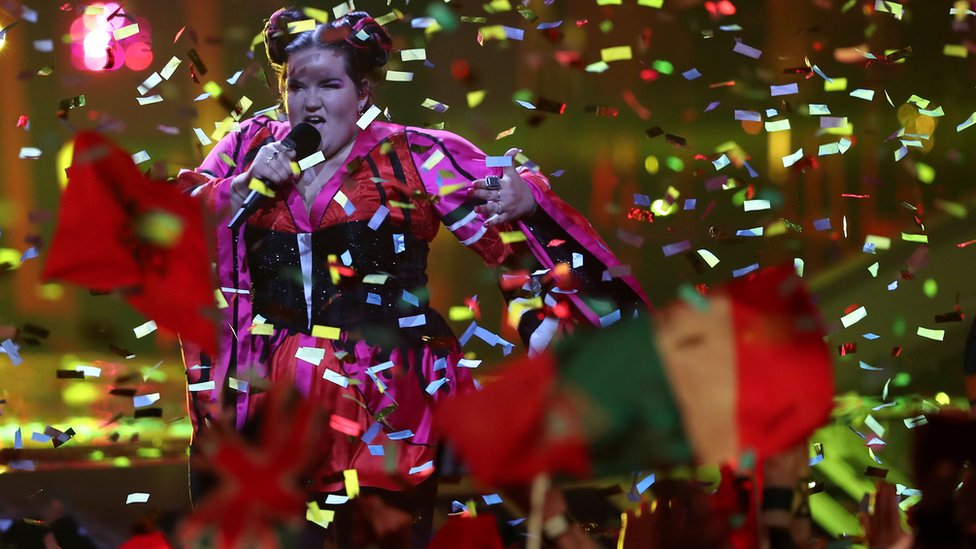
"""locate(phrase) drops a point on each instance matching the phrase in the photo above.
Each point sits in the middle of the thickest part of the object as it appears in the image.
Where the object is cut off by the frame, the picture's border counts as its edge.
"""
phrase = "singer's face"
(321, 93)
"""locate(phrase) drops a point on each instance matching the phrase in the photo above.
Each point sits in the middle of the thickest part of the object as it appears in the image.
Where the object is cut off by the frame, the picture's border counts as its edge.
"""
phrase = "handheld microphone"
(303, 139)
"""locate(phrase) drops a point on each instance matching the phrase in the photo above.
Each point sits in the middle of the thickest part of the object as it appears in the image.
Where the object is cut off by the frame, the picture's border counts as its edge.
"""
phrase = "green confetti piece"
(930, 288)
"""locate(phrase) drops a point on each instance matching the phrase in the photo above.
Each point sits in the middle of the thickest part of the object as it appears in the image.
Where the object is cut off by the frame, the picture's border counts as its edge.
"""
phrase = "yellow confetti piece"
(651, 3)
(95, 10)
(432, 161)
(219, 300)
(321, 16)
(126, 31)
(261, 187)
(223, 128)
(399, 76)
(920, 238)
(322, 517)
(416, 54)
(493, 32)
(304, 25)
(367, 118)
(609, 2)
(509, 237)
(878, 242)
(475, 98)
(312, 355)
(326, 332)
(311, 160)
(936, 335)
(213, 89)
(505, 133)
(617, 53)
(402, 205)
(144, 329)
(836, 84)
(262, 329)
(352, 482)
(955, 50)
(518, 307)
(434, 105)
(460, 313)
(708, 257)
(448, 189)
(394, 15)
(375, 278)
(497, 6)
(777, 126)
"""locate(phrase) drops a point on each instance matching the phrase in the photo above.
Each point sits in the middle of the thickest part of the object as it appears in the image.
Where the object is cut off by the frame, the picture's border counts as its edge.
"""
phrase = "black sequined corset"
(280, 277)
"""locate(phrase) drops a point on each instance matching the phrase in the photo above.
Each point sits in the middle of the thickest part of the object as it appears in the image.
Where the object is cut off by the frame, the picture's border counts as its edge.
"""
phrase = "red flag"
(468, 533)
(118, 230)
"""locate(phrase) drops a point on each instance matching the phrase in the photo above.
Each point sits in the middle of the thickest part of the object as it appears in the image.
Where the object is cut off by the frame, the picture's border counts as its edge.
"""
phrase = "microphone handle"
(247, 208)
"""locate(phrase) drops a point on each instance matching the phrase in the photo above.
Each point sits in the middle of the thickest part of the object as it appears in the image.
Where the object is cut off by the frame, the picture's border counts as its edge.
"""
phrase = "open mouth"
(314, 120)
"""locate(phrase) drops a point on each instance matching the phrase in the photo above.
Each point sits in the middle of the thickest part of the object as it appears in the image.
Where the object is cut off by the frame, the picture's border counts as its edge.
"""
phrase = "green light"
(898, 327)
(121, 461)
(931, 288)
(674, 163)
(663, 67)
(926, 173)
(902, 379)
(80, 394)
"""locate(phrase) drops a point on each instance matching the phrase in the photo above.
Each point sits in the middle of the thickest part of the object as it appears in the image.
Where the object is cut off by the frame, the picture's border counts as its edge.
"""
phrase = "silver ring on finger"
(492, 183)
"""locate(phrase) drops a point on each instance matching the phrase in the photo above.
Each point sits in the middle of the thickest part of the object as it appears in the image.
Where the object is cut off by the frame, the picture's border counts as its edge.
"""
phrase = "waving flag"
(118, 230)
(744, 371)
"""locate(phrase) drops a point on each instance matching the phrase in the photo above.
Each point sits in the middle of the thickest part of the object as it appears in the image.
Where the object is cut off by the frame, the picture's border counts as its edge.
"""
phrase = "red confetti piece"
(179, 34)
(964, 244)
(845, 349)
(22, 121)
(851, 308)
(896, 351)
(344, 425)
(852, 195)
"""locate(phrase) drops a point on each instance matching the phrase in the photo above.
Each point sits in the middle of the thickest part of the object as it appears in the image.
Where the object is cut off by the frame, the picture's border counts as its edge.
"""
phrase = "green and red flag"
(745, 371)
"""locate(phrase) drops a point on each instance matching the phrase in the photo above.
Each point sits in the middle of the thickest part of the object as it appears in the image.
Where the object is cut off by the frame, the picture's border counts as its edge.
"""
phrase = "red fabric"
(468, 533)
(517, 426)
(786, 386)
(154, 540)
(97, 243)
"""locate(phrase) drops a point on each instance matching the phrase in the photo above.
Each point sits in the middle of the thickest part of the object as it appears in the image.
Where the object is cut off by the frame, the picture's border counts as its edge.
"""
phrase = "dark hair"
(363, 43)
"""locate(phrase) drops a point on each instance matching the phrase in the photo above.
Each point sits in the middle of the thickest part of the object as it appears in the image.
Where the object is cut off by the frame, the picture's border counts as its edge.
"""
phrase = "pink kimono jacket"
(344, 289)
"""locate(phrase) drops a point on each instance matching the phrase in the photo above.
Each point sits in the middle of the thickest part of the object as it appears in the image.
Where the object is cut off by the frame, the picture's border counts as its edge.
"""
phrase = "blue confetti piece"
(748, 116)
(376, 450)
(516, 522)
(822, 224)
(40, 437)
(784, 89)
(398, 244)
(690, 203)
(893, 286)
(421, 468)
(373, 299)
(871, 336)
(645, 483)
(468, 333)
(410, 298)
(514, 34)
(10, 348)
(558, 173)
(676, 248)
(400, 435)
(378, 217)
(547, 26)
(609, 319)
(371, 433)
(746, 50)
(868, 248)
(711, 106)
(816, 459)
(433, 386)
(745, 270)
(29, 253)
(498, 161)
(642, 200)
(691, 74)
(492, 499)
(440, 364)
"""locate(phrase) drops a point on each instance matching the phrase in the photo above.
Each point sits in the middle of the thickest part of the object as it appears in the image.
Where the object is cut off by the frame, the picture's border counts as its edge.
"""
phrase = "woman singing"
(336, 263)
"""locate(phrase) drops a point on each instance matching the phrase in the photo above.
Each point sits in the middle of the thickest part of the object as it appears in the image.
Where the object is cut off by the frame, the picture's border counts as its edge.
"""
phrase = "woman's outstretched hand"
(512, 201)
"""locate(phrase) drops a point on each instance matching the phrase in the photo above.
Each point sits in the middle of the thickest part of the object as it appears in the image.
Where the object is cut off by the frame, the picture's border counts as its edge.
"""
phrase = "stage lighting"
(106, 38)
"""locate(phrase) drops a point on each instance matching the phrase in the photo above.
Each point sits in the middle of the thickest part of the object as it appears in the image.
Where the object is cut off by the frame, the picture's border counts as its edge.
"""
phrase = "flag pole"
(540, 487)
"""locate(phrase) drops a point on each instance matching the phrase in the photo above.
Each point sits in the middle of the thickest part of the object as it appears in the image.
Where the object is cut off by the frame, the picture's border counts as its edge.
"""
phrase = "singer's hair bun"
(276, 35)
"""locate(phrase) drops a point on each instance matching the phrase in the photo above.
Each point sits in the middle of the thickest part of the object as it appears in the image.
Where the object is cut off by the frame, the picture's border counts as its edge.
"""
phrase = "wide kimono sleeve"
(211, 182)
(554, 270)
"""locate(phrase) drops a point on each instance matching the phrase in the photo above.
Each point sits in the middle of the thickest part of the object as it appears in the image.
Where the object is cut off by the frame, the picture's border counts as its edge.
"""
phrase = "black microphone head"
(304, 139)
